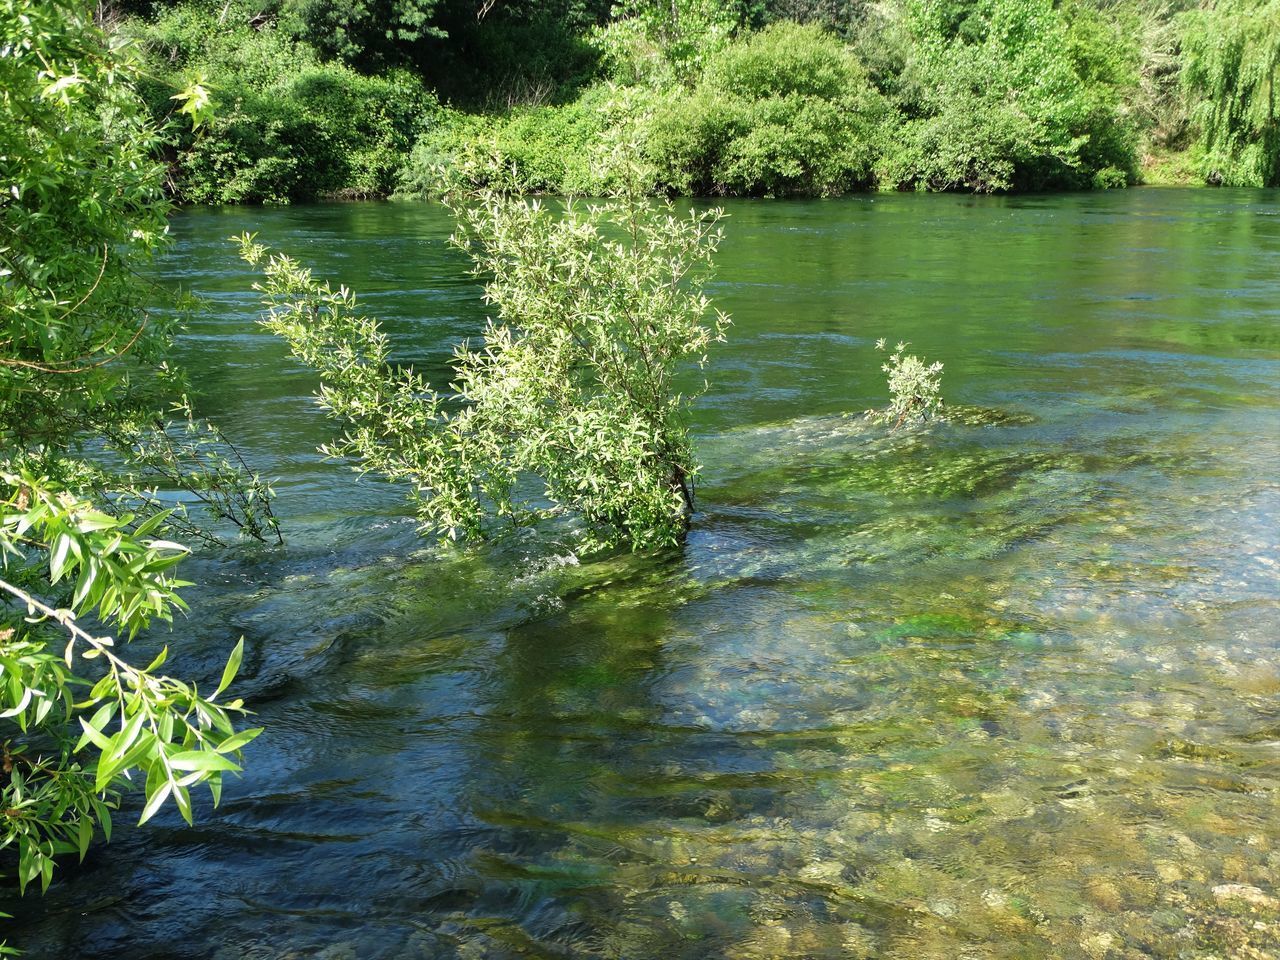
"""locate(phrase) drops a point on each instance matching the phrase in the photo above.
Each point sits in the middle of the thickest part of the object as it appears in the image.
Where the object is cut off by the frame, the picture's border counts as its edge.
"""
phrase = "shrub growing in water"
(915, 388)
(571, 398)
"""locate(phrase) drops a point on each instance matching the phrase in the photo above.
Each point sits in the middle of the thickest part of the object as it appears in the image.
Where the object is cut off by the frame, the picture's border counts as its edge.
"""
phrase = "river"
(1001, 687)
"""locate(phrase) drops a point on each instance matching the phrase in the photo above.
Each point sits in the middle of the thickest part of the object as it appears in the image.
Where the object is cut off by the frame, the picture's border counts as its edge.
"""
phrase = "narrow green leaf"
(155, 802)
(202, 760)
(158, 662)
(232, 667)
(182, 797)
(123, 740)
(238, 740)
(92, 735)
(85, 834)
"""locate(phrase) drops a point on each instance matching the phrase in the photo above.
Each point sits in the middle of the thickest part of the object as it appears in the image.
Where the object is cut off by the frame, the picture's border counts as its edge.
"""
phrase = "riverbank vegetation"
(329, 98)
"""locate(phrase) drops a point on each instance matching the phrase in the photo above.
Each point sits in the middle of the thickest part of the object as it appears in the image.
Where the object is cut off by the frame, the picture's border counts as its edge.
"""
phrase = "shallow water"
(1004, 687)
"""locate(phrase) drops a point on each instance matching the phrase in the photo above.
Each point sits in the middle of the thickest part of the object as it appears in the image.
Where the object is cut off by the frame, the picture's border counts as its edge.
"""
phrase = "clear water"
(1001, 688)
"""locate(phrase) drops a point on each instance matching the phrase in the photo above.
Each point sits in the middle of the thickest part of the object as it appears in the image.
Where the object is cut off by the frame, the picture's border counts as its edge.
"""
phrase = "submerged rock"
(1246, 893)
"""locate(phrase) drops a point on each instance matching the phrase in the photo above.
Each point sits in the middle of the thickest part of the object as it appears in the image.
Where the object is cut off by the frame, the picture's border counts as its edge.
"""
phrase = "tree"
(84, 208)
(568, 406)
(82, 358)
(1231, 54)
(655, 41)
(82, 361)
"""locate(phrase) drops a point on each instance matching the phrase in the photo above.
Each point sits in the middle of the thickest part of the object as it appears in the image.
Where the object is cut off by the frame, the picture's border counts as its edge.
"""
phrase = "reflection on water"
(1005, 687)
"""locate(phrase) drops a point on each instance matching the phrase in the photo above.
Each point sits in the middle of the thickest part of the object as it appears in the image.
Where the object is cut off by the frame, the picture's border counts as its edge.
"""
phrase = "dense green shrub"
(553, 148)
(1013, 94)
(1231, 59)
(549, 147)
(286, 125)
(784, 59)
(455, 135)
(786, 111)
(661, 41)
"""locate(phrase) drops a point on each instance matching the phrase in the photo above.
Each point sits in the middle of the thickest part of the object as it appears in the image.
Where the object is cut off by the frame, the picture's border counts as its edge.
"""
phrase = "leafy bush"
(786, 111)
(443, 146)
(569, 401)
(1013, 94)
(550, 148)
(286, 126)
(541, 149)
(915, 388)
(1231, 58)
(556, 149)
(784, 59)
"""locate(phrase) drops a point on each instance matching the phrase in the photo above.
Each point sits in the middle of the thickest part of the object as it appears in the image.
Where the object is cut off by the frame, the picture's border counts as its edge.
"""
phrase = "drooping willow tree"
(1231, 57)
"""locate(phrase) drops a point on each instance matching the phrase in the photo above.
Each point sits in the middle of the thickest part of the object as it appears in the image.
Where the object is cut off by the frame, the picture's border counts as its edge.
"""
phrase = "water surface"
(1005, 687)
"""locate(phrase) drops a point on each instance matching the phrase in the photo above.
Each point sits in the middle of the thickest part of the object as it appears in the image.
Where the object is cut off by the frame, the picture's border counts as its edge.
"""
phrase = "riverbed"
(1005, 686)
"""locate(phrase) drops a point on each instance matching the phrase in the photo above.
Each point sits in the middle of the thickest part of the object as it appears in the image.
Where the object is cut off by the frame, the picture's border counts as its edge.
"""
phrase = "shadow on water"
(1004, 687)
